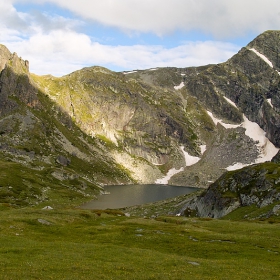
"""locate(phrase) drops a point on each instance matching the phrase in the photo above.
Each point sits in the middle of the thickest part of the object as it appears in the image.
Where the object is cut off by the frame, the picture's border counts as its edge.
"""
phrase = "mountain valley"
(63, 138)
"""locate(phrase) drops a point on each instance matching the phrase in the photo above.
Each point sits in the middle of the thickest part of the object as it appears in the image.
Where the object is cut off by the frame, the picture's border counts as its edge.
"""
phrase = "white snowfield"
(167, 177)
(202, 149)
(230, 102)
(225, 125)
(266, 149)
(189, 160)
(179, 86)
(264, 58)
(269, 102)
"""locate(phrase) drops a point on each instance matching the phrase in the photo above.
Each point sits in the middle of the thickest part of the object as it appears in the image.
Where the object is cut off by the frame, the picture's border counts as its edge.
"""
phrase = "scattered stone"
(44, 222)
(47, 208)
(63, 160)
(193, 239)
(194, 263)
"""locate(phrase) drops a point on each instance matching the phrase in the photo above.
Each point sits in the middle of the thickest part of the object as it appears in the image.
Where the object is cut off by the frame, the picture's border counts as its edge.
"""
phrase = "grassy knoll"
(83, 244)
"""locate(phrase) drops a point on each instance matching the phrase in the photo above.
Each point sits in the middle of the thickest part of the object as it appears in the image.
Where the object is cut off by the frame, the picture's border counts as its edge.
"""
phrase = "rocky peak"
(4, 56)
(268, 45)
(8, 59)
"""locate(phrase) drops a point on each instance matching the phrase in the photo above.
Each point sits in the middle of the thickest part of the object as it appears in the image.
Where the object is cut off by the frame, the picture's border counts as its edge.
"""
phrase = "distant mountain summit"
(182, 126)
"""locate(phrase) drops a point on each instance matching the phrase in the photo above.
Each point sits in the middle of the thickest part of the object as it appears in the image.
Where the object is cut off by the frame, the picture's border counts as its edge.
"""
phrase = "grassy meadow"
(88, 244)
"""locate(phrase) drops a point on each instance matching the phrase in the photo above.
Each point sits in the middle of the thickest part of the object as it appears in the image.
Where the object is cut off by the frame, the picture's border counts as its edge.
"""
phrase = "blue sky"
(61, 36)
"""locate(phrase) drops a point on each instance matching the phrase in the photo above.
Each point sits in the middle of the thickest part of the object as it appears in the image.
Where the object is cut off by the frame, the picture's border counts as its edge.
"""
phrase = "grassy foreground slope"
(80, 244)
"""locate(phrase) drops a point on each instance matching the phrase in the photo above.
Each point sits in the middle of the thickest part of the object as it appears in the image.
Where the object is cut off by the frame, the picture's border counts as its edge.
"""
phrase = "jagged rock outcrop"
(257, 185)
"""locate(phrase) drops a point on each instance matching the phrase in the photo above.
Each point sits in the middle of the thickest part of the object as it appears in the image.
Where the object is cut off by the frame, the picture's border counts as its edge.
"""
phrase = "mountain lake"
(119, 196)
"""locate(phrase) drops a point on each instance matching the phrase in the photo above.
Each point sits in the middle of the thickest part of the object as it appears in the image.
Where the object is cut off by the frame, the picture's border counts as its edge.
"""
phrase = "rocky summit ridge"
(182, 126)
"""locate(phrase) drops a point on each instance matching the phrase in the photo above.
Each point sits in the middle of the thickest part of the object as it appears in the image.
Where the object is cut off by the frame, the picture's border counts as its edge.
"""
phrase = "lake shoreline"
(121, 196)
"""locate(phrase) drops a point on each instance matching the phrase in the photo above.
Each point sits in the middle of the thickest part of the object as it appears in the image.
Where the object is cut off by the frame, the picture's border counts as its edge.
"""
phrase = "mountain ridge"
(121, 127)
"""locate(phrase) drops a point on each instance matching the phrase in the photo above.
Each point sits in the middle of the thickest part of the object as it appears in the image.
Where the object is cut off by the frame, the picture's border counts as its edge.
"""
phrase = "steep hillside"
(163, 117)
(242, 90)
(43, 154)
(67, 136)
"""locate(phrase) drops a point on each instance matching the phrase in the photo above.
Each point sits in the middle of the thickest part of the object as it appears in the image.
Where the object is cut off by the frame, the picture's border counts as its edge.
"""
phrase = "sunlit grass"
(81, 244)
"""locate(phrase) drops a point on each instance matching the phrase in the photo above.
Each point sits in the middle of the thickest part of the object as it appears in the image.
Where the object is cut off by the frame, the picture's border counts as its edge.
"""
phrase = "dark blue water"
(128, 195)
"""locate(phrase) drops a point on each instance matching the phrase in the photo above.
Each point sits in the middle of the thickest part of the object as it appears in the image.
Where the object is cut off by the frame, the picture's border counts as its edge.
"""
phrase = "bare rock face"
(15, 84)
(95, 126)
(64, 161)
(38, 139)
(254, 185)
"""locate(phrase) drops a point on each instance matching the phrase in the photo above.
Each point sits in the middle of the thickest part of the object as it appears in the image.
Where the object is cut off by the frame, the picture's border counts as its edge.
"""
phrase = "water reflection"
(128, 195)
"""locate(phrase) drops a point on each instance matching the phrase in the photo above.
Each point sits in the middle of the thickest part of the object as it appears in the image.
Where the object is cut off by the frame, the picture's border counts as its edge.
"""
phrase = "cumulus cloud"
(217, 17)
(58, 53)
(53, 44)
(10, 18)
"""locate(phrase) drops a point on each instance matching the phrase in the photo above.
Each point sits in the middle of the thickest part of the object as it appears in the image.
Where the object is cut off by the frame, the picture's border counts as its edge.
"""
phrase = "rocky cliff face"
(246, 86)
(150, 114)
(104, 127)
(257, 185)
(43, 154)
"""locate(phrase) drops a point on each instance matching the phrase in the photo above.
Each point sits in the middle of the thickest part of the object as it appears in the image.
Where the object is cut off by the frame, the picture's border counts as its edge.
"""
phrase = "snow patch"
(269, 102)
(152, 69)
(180, 86)
(202, 149)
(230, 102)
(225, 125)
(264, 58)
(236, 166)
(266, 149)
(167, 177)
(189, 160)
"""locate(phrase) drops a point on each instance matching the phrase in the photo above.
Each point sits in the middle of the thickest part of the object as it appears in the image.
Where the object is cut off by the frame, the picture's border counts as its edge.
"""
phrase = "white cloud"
(222, 18)
(53, 45)
(59, 53)
(10, 18)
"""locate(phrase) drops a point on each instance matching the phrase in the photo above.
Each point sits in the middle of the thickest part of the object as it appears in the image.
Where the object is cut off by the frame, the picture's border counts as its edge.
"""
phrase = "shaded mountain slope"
(43, 154)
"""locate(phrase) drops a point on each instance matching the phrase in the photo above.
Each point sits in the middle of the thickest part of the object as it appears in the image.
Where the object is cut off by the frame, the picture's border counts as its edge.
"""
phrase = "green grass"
(84, 244)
